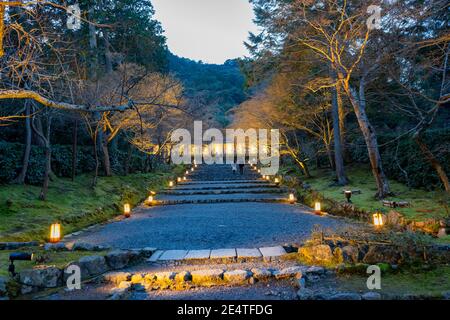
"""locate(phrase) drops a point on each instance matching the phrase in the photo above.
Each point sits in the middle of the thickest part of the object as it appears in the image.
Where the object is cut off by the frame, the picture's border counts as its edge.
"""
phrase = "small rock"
(118, 259)
(207, 277)
(301, 283)
(446, 295)
(261, 273)
(183, 276)
(3, 282)
(315, 270)
(92, 266)
(138, 287)
(350, 254)
(371, 296)
(290, 272)
(55, 247)
(442, 233)
(317, 254)
(125, 285)
(236, 276)
(345, 296)
(43, 277)
(81, 246)
(305, 294)
(117, 277)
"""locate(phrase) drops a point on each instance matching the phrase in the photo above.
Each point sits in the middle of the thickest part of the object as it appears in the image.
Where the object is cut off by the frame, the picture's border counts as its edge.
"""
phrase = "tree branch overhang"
(26, 94)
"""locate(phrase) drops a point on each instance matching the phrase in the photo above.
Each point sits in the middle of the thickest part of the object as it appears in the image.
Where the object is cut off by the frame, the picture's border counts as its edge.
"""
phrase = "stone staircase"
(218, 184)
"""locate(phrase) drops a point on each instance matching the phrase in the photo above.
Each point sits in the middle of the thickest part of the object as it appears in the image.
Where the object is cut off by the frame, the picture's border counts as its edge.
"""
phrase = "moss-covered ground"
(75, 204)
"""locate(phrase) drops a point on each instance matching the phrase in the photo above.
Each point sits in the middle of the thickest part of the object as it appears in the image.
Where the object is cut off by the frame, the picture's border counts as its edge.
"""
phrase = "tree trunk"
(433, 161)
(74, 149)
(20, 179)
(128, 161)
(94, 180)
(108, 56)
(48, 163)
(370, 137)
(338, 157)
(106, 159)
(93, 65)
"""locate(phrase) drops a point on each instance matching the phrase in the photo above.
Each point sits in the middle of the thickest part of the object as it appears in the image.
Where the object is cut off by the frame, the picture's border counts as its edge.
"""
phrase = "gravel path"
(217, 223)
(211, 226)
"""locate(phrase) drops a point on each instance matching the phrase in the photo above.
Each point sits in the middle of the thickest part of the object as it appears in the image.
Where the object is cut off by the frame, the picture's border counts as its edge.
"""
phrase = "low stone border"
(48, 277)
(204, 278)
(17, 245)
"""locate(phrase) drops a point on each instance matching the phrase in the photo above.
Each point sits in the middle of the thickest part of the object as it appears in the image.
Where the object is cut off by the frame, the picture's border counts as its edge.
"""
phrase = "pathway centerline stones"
(243, 253)
(198, 254)
(173, 255)
(223, 254)
(271, 253)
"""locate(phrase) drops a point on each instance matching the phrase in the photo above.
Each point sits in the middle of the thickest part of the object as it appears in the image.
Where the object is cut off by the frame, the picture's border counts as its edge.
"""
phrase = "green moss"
(424, 204)
(41, 257)
(75, 204)
(418, 282)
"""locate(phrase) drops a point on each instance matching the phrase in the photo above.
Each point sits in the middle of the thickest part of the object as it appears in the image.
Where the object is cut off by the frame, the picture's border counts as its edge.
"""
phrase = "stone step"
(219, 255)
(207, 201)
(223, 187)
(220, 182)
(223, 191)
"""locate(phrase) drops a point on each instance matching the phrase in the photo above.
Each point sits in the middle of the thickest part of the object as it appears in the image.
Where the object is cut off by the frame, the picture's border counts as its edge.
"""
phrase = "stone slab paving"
(198, 255)
(248, 253)
(155, 256)
(223, 254)
(270, 253)
(173, 255)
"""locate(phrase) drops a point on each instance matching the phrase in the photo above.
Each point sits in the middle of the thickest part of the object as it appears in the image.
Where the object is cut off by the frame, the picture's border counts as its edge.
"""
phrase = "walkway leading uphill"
(215, 208)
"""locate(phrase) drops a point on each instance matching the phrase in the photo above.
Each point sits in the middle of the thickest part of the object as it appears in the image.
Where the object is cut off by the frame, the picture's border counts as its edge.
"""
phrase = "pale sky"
(208, 30)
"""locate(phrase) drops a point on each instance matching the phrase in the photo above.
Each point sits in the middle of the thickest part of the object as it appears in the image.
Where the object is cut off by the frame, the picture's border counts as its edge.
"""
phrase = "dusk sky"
(208, 30)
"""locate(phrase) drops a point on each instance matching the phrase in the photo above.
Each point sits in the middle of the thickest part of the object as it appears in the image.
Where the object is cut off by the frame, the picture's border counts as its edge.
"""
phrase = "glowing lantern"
(291, 198)
(187, 172)
(277, 180)
(259, 170)
(317, 208)
(150, 200)
(55, 233)
(179, 179)
(184, 178)
(171, 184)
(127, 210)
(267, 178)
(192, 169)
(378, 219)
(348, 195)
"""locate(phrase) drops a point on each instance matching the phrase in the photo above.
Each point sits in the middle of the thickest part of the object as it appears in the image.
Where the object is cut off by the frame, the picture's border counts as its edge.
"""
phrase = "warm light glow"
(187, 172)
(184, 178)
(317, 207)
(171, 184)
(277, 180)
(267, 178)
(292, 198)
(127, 210)
(378, 219)
(259, 170)
(192, 169)
(55, 233)
(150, 200)
(179, 179)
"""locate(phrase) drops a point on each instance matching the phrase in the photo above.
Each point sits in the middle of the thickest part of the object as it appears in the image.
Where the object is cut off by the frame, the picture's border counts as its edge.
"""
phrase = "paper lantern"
(55, 233)
(291, 198)
(127, 210)
(317, 208)
(171, 184)
(378, 220)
